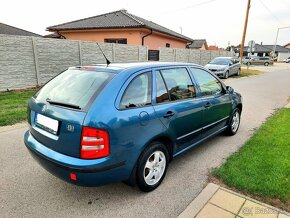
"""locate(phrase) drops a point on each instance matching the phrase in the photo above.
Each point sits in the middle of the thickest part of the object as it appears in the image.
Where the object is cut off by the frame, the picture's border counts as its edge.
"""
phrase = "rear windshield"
(73, 87)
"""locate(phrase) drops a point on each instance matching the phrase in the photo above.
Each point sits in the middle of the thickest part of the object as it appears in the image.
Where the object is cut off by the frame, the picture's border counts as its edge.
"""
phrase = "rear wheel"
(152, 166)
(234, 122)
(239, 71)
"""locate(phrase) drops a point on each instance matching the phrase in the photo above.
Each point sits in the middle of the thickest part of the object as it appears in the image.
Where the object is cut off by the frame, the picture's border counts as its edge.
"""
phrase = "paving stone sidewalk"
(215, 201)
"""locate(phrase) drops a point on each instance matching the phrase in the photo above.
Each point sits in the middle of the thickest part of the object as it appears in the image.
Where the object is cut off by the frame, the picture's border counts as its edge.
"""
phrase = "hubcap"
(235, 122)
(154, 168)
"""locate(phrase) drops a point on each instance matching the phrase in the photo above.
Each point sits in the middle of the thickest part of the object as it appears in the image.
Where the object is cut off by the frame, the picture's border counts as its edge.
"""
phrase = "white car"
(287, 60)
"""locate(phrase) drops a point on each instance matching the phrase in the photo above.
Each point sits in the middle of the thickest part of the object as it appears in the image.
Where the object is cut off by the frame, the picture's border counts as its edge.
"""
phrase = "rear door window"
(138, 92)
(74, 87)
(178, 83)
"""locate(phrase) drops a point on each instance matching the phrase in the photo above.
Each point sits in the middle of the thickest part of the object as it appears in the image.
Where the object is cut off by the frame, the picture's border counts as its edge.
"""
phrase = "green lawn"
(250, 72)
(262, 166)
(13, 106)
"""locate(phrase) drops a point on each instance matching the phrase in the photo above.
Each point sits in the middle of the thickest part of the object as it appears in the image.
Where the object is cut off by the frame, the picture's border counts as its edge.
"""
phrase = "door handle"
(207, 105)
(168, 114)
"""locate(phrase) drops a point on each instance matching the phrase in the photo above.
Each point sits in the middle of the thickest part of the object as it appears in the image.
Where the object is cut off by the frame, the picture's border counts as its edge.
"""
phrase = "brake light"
(94, 143)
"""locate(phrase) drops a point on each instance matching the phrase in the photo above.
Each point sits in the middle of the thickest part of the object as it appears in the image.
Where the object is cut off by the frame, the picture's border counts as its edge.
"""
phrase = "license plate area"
(46, 123)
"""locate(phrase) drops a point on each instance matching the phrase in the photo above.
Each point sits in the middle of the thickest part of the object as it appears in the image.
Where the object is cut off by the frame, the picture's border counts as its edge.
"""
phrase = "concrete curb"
(13, 127)
(200, 201)
(205, 197)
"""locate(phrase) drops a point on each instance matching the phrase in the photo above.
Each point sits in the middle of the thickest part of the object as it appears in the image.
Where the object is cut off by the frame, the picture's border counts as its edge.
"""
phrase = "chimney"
(261, 43)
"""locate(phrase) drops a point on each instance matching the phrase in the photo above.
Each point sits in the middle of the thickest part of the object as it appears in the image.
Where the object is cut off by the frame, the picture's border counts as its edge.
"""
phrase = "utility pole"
(275, 45)
(245, 31)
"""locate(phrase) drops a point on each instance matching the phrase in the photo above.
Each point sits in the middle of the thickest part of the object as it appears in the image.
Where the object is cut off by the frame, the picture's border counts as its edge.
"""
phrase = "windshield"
(220, 61)
(74, 87)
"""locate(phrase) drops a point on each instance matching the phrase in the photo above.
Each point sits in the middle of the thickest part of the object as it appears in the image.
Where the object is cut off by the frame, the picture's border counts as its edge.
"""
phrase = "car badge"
(70, 128)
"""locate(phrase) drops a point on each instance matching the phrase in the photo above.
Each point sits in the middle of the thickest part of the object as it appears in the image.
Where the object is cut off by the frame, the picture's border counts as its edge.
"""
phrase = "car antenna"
(107, 60)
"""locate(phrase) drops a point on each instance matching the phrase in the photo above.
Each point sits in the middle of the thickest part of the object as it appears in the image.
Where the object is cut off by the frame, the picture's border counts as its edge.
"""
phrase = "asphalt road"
(27, 190)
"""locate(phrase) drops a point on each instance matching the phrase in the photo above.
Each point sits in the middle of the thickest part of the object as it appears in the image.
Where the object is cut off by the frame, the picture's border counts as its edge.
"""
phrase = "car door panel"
(217, 103)
(182, 117)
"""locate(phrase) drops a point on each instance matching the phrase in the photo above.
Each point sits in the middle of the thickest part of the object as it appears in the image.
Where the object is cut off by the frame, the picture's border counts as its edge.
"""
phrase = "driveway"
(28, 190)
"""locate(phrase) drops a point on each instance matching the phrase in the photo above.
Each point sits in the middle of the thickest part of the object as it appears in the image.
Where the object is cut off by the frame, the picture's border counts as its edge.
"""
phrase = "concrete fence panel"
(17, 67)
(30, 61)
(55, 56)
(167, 54)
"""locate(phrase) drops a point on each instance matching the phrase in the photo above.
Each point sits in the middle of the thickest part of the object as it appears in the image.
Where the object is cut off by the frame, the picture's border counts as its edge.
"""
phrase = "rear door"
(176, 105)
(57, 111)
(217, 104)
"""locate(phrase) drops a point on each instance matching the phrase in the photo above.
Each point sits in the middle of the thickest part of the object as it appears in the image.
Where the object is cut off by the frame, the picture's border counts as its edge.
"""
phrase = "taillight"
(94, 143)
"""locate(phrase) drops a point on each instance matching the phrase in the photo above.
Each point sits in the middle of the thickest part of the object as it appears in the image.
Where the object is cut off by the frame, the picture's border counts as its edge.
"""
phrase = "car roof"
(118, 67)
(224, 58)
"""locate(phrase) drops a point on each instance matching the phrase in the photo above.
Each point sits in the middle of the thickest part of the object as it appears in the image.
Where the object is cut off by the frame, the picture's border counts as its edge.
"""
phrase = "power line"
(191, 6)
(265, 6)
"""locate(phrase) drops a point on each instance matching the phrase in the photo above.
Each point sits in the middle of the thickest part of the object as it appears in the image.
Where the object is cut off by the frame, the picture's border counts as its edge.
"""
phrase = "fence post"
(113, 52)
(36, 63)
(80, 53)
(174, 52)
(199, 57)
(139, 51)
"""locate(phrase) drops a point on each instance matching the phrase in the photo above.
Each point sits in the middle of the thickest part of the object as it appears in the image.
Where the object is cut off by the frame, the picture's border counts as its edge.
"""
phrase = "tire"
(234, 123)
(239, 71)
(152, 167)
(266, 63)
(226, 75)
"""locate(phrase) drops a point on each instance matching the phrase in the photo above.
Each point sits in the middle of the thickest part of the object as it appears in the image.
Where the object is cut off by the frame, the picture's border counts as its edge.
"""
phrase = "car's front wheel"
(266, 63)
(226, 75)
(234, 122)
(152, 166)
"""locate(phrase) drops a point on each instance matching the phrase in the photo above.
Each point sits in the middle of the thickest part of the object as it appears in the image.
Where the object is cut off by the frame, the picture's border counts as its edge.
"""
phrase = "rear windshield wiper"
(63, 104)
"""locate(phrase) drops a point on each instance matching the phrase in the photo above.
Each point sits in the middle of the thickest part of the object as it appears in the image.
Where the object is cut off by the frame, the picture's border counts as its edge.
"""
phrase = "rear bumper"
(88, 172)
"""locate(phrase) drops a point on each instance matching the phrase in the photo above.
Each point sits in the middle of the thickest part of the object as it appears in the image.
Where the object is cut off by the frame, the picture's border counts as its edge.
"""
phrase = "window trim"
(116, 40)
(126, 85)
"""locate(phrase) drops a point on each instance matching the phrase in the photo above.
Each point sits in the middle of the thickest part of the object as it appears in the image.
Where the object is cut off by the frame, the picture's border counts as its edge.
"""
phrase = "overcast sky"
(218, 21)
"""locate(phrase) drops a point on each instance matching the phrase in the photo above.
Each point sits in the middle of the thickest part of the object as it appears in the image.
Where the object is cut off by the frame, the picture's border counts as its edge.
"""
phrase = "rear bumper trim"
(76, 169)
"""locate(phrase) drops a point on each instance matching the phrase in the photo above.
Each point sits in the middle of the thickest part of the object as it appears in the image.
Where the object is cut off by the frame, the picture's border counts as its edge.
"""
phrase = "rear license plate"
(46, 123)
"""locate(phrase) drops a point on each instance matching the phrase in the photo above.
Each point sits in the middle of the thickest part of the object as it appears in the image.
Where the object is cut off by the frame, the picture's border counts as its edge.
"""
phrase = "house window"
(167, 45)
(118, 41)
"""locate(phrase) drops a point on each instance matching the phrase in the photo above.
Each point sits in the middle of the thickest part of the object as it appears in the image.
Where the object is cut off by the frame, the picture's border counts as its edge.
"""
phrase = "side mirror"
(230, 64)
(230, 90)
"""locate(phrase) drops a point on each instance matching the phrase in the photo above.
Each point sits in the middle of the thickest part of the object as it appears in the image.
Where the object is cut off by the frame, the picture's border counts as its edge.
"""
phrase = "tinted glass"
(178, 83)
(161, 91)
(74, 87)
(207, 83)
(220, 61)
(138, 92)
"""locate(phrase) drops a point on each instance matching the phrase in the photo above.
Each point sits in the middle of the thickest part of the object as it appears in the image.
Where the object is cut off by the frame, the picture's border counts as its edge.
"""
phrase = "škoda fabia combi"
(125, 122)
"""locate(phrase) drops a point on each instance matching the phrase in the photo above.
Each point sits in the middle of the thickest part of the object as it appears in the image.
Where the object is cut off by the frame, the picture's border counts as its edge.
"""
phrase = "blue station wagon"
(93, 125)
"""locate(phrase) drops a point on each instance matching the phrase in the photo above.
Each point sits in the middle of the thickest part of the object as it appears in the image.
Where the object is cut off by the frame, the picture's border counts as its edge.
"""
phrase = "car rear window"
(74, 87)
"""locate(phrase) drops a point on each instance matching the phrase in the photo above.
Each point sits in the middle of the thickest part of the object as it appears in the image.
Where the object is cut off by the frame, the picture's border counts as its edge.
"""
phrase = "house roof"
(198, 43)
(115, 20)
(267, 48)
(10, 30)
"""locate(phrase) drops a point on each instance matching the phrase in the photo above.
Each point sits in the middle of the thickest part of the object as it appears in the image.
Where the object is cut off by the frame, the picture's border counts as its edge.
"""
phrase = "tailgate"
(55, 127)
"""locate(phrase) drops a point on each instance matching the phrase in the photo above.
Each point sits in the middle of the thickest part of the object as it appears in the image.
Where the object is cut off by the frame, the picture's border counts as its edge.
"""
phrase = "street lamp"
(275, 45)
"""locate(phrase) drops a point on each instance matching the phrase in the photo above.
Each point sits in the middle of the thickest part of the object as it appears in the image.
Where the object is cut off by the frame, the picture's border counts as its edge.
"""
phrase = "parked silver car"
(258, 61)
(224, 66)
